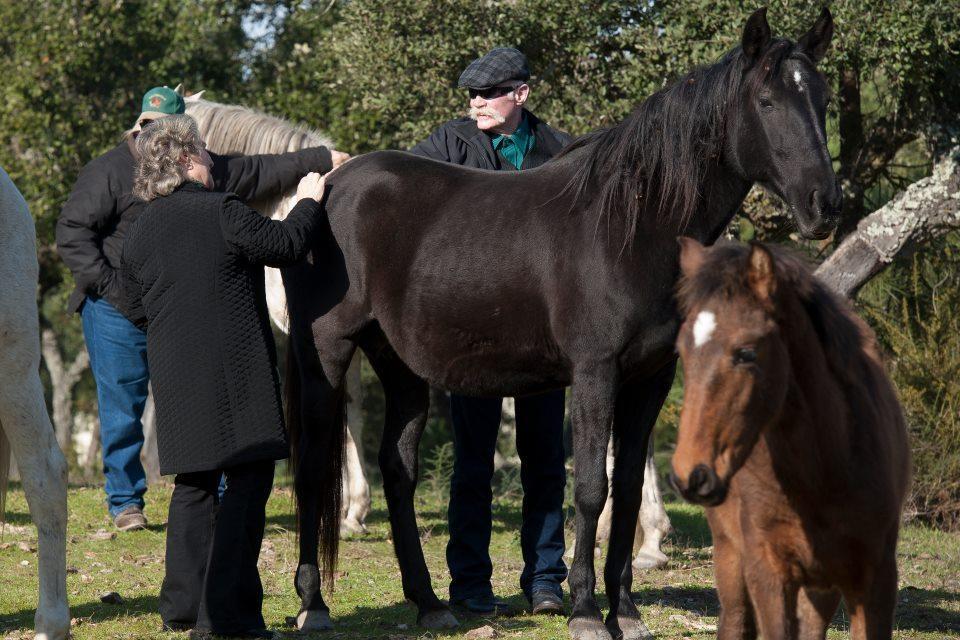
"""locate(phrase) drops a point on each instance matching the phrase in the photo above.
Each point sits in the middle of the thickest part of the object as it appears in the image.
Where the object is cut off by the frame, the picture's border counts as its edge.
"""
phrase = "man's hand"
(338, 157)
(311, 186)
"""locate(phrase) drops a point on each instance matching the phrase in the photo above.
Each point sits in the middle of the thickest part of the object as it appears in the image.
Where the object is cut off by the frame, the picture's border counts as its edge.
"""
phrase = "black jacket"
(461, 142)
(101, 207)
(192, 276)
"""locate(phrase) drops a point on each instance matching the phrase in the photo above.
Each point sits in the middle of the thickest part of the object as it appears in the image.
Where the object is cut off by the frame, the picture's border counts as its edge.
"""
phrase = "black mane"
(656, 157)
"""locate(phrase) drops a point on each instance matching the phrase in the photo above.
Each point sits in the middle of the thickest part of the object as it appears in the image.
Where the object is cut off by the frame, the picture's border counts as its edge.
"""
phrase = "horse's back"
(18, 258)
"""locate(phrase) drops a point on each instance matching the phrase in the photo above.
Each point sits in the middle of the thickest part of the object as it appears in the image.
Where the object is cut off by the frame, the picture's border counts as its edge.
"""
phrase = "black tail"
(328, 466)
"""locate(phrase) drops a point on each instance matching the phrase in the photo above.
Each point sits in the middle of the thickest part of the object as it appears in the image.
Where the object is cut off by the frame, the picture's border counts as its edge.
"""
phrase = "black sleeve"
(131, 290)
(84, 220)
(262, 176)
(434, 147)
(273, 243)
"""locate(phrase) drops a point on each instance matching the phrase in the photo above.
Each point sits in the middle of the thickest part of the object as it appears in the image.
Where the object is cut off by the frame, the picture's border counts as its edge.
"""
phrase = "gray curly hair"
(161, 145)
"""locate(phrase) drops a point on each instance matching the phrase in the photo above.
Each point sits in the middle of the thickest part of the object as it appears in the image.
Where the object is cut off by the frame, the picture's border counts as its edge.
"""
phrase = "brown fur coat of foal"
(793, 437)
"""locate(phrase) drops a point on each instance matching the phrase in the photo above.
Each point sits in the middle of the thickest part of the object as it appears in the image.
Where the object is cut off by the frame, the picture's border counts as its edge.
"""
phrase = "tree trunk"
(925, 210)
(851, 149)
(62, 379)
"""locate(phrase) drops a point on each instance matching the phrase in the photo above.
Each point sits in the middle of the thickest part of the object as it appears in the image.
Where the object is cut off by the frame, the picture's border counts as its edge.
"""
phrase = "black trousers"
(212, 582)
(476, 425)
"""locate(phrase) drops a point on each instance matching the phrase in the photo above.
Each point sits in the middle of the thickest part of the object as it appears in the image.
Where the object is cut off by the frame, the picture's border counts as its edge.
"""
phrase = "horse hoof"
(587, 629)
(439, 619)
(314, 620)
(649, 560)
(351, 527)
(634, 629)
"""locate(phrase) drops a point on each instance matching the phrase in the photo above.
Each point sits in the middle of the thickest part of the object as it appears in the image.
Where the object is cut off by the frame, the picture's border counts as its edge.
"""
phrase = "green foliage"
(913, 308)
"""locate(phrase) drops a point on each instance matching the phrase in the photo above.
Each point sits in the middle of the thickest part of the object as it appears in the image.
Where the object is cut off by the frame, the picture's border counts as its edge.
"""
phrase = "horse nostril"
(702, 481)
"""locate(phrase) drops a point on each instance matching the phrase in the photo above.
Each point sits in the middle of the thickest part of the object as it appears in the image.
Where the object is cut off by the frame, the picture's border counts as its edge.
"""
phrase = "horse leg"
(43, 472)
(356, 491)
(736, 613)
(773, 596)
(592, 409)
(815, 609)
(872, 608)
(637, 407)
(321, 412)
(654, 523)
(407, 401)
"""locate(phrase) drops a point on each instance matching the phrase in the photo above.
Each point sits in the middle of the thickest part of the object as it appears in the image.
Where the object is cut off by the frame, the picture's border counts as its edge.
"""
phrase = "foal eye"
(745, 355)
(766, 103)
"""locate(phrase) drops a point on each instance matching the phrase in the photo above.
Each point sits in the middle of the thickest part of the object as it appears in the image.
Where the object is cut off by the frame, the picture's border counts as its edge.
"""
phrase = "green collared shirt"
(517, 145)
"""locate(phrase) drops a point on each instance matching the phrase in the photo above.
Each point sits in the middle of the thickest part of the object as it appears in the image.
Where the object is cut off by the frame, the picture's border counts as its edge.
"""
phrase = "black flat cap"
(500, 65)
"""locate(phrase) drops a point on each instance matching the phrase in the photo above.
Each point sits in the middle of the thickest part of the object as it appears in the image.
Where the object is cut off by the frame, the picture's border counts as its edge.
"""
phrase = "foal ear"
(816, 41)
(761, 273)
(756, 34)
(692, 255)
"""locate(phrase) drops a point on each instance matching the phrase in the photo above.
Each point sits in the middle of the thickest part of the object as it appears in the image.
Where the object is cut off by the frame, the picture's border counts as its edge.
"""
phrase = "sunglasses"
(491, 93)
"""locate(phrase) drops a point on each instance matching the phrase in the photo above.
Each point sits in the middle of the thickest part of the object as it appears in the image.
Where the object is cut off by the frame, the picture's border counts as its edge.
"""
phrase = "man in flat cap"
(90, 233)
(501, 135)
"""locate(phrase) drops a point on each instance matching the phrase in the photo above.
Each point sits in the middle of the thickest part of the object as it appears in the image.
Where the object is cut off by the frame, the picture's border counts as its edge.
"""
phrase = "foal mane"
(657, 157)
(232, 129)
(847, 342)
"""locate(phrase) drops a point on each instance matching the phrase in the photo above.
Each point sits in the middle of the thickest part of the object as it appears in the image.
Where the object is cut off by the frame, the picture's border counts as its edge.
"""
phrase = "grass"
(678, 602)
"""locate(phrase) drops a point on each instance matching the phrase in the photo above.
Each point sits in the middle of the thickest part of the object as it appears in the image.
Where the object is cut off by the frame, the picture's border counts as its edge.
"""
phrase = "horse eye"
(766, 103)
(745, 355)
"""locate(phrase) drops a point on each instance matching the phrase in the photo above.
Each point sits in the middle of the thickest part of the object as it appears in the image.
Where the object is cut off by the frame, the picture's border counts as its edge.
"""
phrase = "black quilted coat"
(192, 276)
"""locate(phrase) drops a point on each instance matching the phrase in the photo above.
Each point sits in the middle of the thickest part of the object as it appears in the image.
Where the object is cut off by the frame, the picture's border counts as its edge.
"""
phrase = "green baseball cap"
(160, 102)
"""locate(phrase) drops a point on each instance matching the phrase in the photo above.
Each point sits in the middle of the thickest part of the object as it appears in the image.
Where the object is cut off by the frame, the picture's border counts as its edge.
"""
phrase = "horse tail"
(329, 469)
(4, 472)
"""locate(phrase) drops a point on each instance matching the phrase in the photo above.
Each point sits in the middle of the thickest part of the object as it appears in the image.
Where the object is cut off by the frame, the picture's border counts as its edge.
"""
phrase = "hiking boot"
(546, 603)
(203, 634)
(484, 605)
(130, 519)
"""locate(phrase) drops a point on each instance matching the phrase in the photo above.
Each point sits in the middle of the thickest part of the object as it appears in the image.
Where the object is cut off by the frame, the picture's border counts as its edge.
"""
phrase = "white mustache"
(476, 112)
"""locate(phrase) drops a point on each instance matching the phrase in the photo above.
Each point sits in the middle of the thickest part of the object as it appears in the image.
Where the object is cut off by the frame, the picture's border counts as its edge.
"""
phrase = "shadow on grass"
(399, 621)
(689, 529)
(917, 610)
(95, 611)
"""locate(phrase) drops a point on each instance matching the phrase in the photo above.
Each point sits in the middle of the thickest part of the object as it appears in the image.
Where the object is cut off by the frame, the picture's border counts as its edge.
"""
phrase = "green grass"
(368, 603)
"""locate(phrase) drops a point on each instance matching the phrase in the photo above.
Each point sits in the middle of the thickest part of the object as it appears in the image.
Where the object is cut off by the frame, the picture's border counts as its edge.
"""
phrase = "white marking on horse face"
(703, 328)
(797, 77)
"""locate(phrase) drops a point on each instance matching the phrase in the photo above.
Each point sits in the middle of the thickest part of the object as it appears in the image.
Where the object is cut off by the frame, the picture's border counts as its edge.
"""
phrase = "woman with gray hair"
(192, 271)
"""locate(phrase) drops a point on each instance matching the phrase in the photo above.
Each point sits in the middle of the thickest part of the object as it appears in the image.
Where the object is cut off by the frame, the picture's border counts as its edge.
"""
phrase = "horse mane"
(232, 129)
(847, 342)
(658, 155)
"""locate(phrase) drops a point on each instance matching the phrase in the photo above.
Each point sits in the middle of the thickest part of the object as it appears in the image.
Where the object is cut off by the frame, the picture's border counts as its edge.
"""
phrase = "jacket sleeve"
(262, 176)
(273, 243)
(434, 147)
(131, 290)
(84, 220)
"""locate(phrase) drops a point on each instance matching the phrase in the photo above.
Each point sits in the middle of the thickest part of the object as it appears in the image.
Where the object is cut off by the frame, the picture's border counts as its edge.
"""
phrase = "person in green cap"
(90, 233)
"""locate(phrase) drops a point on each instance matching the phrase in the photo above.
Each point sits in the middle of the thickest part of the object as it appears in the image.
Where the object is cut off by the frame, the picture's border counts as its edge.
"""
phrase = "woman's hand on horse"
(311, 186)
(338, 158)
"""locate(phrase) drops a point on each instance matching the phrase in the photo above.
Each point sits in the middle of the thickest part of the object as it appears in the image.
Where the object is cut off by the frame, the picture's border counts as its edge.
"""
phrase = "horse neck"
(811, 447)
(722, 192)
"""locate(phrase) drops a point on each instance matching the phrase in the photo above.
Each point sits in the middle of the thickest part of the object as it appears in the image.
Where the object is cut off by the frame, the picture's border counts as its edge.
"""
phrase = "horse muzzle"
(821, 214)
(702, 487)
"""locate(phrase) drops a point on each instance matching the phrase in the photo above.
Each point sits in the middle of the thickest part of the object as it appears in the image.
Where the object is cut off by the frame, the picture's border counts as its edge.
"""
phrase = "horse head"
(776, 135)
(735, 364)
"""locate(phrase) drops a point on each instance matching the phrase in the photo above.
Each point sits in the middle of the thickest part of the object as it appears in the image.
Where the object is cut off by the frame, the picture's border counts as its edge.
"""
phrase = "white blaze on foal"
(797, 78)
(703, 328)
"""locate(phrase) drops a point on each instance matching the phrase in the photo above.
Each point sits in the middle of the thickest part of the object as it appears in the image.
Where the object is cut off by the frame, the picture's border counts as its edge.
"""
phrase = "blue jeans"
(118, 359)
(476, 425)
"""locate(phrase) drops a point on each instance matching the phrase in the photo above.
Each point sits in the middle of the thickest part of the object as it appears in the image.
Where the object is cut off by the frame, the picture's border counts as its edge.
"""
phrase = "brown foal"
(792, 436)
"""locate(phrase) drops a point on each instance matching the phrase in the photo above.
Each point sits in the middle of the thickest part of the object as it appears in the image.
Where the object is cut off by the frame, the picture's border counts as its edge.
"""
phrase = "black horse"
(505, 284)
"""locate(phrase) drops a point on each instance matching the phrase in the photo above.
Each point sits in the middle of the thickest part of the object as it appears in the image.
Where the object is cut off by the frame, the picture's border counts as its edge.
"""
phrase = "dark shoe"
(130, 519)
(546, 603)
(484, 606)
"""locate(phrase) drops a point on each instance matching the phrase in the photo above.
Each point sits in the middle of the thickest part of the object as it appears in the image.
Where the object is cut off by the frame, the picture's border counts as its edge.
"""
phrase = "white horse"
(234, 129)
(24, 423)
(229, 129)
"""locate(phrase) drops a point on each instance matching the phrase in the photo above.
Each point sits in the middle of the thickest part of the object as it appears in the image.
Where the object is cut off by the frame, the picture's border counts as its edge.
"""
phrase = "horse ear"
(194, 97)
(178, 89)
(761, 273)
(692, 255)
(816, 41)
(756, 34)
